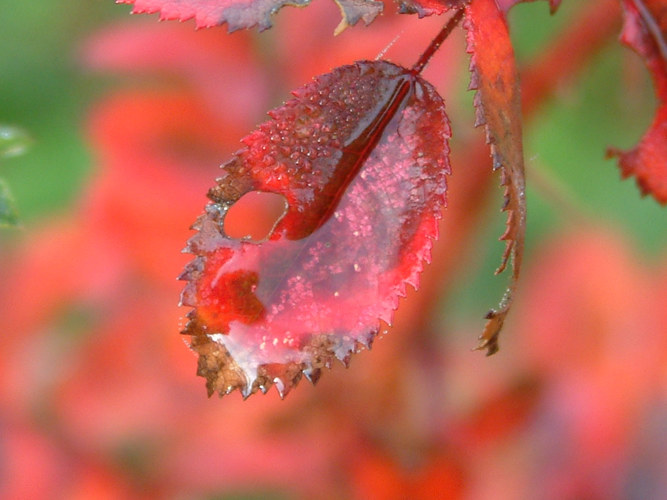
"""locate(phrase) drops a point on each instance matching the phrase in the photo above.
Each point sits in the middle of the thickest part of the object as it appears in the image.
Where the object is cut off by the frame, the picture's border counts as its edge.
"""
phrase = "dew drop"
(13, 141)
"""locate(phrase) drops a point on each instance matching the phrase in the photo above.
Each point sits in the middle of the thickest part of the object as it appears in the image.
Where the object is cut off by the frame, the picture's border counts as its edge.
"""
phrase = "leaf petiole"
(437, 42)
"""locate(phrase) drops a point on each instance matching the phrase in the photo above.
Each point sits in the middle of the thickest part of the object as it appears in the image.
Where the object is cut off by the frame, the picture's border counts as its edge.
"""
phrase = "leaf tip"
(342, 26)
(489, 339)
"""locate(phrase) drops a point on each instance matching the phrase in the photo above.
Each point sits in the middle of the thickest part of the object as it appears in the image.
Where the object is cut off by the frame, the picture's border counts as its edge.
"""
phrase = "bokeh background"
(129, 120)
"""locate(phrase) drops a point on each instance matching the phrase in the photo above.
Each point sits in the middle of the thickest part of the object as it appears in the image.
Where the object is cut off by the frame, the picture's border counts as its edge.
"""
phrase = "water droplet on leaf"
(333, 262)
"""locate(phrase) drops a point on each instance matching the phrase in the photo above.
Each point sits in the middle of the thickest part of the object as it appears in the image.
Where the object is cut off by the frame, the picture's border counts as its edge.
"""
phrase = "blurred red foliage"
(98, 396)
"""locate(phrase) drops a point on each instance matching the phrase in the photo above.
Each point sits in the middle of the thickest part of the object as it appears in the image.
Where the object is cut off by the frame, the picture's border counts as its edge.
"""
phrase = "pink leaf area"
(246, 13)
(645, 30)
(357, 161)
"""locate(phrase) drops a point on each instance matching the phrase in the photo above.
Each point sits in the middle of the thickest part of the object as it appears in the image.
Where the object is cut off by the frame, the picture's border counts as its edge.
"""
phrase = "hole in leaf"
(255, 215)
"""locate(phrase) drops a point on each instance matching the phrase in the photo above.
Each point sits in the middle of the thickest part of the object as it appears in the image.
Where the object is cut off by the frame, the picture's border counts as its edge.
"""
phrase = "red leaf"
(498, 106)
(248, 13)
(360, 156)
(645, 30)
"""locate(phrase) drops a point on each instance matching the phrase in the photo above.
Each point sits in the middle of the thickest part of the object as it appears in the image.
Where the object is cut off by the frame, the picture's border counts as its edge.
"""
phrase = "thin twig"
(437, 42)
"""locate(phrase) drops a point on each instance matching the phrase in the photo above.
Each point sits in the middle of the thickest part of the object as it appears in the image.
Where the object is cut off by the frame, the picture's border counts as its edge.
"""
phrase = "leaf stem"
(652, 26)
(437, 42)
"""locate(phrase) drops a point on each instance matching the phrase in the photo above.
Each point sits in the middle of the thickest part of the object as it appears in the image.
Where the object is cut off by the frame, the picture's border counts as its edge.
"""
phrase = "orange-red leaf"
(360, 156)
(498, 107)
(645, 30)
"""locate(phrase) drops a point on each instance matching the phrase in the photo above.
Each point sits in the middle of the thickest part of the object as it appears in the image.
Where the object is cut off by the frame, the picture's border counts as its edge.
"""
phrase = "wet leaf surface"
(360, 156)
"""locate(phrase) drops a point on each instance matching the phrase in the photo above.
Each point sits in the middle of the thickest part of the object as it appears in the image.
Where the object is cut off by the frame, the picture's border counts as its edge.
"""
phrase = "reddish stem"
(437, 42)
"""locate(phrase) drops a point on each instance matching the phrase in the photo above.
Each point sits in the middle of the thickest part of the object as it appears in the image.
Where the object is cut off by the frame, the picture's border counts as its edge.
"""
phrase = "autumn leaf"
(498, 107)
(249, 13)
(360, 156)
(645, 30)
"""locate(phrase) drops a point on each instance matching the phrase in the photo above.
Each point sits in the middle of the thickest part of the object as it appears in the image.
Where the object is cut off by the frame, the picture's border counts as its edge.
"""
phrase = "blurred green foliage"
(43, 91)
(14, 141)
(8, 213)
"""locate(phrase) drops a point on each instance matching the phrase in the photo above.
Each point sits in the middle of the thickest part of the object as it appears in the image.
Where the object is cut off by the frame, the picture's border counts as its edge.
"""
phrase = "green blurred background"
(43, 90)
